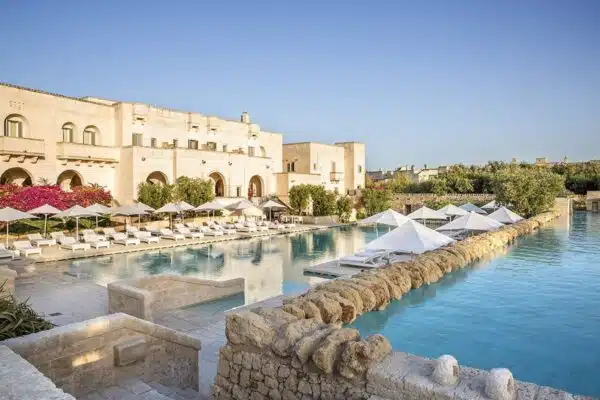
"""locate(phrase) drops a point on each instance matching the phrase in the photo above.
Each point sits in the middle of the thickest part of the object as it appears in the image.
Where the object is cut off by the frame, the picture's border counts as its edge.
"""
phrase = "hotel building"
(72, 141)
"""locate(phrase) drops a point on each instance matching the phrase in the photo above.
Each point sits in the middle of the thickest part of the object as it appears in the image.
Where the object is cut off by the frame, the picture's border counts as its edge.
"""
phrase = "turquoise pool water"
(271, 266)
(534, 310)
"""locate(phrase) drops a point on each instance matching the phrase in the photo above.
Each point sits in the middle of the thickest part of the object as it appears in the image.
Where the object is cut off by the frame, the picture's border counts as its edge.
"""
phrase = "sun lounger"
(121, 238)
(365, 259)
(211, 232)
(222, 228)
(168, 234)
(109, 232)
(69, 243)
(57, 235)
(276, 225)
(289, 225)
(187, 233)
(25, 248)
(6, 253)
(39, 241)
(131, 230)
(257, 227)
(91, 233)
(146, 237)
(242, 228)
(96, 241)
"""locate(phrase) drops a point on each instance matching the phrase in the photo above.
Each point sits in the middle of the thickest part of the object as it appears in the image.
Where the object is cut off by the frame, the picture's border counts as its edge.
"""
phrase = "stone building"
(418, 175)
(338, 167)
(72, 141)
(592, 201)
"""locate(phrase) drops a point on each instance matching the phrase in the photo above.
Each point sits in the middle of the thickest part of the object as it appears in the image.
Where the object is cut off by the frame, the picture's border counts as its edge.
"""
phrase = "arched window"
(68, 133)
(360, 169)
(91, 135)
(289, 167)
(15, 125)
(293, 167)
(333, 166)
(263, 152)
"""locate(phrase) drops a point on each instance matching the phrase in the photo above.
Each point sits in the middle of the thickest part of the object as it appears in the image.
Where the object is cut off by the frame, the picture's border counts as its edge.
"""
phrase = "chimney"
(425, 166)
(245, 118)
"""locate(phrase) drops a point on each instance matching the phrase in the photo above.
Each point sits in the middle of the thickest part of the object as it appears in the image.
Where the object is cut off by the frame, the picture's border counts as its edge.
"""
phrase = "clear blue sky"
(419, 81)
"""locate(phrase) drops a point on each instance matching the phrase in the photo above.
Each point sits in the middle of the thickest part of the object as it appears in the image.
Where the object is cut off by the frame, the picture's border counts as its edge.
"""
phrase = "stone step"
(136, 389)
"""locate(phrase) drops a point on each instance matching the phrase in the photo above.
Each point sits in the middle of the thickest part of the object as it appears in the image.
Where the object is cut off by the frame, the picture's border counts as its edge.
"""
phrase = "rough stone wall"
(7, 278)
(91, 355)
(305, 334)
(414, 200)
(143, 297)
(20, 380)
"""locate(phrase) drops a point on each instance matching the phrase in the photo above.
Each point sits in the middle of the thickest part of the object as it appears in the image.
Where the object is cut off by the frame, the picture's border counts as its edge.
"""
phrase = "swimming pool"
(534, 310)
(270, 265)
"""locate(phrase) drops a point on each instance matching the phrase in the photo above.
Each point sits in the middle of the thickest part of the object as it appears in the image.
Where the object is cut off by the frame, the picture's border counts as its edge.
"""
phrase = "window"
(314, 166)
(293, 167)
(212, 146)
(289, 167)
(14, 128)
(137, 139)
(333, 166)
(90, 134)
(224, 148)
(263, 152)
(175, 143)
(193, 144)
(238, 191)
(153, 142)
(251, 151)
(67, 133)
(360, 169)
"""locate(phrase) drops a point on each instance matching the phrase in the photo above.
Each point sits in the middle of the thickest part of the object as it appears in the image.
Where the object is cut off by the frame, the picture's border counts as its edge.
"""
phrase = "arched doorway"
(255, 188)
(16, 176)
(157, 178)
(69, 179)
(219, 186)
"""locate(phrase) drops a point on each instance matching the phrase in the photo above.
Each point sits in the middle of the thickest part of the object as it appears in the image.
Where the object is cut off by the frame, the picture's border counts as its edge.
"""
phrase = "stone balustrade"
(95, 354)
(301, 350)
(144, 297)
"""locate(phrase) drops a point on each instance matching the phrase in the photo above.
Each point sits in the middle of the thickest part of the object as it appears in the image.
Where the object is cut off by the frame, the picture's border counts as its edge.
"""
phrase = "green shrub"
(153, 195)
(18, 318)
(344, 208)
(376, 200)
(323, 201)
(299, 198)
(194, 191)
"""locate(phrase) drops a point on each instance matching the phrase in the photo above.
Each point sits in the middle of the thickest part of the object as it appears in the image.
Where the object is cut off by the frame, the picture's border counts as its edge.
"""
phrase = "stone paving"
(136, 389)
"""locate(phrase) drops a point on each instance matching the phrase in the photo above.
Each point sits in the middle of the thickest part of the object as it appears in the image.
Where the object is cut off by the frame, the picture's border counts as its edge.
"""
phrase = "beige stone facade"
(72, 141)
(339, 167)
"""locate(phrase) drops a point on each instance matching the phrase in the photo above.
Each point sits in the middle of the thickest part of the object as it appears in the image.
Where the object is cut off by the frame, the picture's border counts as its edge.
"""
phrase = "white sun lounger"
(131, 230)
(69, 243)
(226, 229)
(258, 228)
(39, 241)
(187, 233)
(6, 253)
(210, 232)
(109, 232)
(96, 241)
(122, 238)
(25, 248)
(168, 234)
(241, 228)
(365, 259)
(146, 237)
(276, 225)
(57, 235)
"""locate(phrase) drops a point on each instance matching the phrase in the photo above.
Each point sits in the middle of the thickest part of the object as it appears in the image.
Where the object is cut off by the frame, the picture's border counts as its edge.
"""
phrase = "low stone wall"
(409, 202)
(94, 354)
(20, 380)
(143, 297)
(323, 220)
(7, 277)
(301, 349)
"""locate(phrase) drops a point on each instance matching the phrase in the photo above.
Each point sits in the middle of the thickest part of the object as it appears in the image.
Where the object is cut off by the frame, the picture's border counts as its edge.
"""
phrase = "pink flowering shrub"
(29, 197)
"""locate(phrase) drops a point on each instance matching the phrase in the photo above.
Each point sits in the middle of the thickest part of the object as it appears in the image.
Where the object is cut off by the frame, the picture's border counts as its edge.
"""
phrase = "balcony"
(21, 148)
(336, 176)
(87, 153)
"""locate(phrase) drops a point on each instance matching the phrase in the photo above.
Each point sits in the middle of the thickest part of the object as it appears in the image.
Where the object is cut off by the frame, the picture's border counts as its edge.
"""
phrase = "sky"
(420, 82)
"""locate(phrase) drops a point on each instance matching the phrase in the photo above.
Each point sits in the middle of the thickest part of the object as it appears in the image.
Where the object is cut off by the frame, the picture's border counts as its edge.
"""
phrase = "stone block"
(500, 385)
(548, 393)
(130, 351)
(446, 370)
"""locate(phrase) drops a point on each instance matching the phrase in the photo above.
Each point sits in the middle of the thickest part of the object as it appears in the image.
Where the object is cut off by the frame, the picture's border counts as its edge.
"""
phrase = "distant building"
(420, 175)
(592, 201)
(380, 175)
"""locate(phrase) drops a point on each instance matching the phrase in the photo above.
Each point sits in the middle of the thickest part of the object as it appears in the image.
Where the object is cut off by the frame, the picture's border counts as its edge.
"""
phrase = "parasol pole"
(7, 234)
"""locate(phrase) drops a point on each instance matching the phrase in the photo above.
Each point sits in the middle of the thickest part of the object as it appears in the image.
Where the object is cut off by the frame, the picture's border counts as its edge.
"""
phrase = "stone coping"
(41, 341)
(137, 287)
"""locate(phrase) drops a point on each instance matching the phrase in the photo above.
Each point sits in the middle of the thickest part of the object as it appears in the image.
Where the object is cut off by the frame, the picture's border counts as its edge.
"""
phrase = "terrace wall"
(94, 354)
(144, 297)
(301, 350)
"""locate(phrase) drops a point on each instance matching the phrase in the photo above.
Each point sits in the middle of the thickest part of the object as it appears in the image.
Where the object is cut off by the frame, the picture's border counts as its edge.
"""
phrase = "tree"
(399, 183)
(323, 201)
(299, 197)
(153, 195)
(528, 191)
(344, 208)
(194, 191)
(376, 200)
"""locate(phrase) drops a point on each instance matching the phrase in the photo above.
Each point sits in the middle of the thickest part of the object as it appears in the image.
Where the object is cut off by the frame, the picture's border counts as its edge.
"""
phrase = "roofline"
(311, 142)
(350, 142)
(10, 85)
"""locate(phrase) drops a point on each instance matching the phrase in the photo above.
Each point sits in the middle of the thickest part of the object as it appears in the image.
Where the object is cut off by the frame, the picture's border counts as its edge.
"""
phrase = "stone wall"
(409, 202)
(144, 297)
(91, 355)
(20, 380)
(300, 350)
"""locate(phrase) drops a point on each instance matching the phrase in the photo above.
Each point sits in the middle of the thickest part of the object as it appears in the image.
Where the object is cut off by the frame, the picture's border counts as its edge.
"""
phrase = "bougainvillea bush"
(29, 197)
